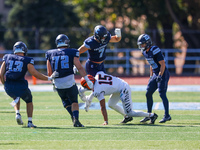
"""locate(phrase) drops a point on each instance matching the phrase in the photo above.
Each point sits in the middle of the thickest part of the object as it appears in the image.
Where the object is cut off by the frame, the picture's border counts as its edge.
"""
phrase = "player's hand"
(158, 78)
(118, 32)
(105, 123)
(54, 75)
(75, 69)
(90, 84)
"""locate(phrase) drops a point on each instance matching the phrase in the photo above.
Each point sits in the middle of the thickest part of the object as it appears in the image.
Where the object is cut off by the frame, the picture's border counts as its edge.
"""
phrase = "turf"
(55, 130)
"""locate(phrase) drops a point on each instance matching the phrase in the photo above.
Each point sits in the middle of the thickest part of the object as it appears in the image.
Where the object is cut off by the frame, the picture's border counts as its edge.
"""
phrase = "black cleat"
(153, 118)
(126, 119)
(77, 123)
(145, 119)
(164, 119)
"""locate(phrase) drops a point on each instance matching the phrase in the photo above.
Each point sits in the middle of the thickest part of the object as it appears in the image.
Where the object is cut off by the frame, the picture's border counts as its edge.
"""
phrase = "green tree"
(41, 19)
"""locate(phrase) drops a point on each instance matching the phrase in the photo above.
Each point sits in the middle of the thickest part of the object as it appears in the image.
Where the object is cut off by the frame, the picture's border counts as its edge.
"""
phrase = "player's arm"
(162, 67)
(79, 67)
(103, 107)
(151, 71)
(117, 37)
(82, 72)
(2, 72)
(49, 69)
(36, 74)
(82, 49)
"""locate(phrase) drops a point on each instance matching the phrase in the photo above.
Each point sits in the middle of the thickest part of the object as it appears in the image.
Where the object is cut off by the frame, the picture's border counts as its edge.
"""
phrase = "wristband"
(49, 78)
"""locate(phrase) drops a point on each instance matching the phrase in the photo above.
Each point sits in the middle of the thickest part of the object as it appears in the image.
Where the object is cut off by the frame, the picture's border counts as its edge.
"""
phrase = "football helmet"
(62, 40)
(84, 83)
(100, 33)
(20, 47)
(144, 39)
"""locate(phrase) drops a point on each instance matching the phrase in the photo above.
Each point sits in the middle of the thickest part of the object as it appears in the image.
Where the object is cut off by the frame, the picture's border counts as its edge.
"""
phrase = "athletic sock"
(76, 114)
(69, 109)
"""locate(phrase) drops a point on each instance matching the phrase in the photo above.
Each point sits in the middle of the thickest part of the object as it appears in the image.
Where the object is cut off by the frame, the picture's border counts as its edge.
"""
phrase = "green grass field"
(55, 130)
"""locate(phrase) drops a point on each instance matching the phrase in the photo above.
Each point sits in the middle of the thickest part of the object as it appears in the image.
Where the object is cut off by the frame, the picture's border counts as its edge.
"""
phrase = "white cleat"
(81, 94)
(31, 125)
(19, 119)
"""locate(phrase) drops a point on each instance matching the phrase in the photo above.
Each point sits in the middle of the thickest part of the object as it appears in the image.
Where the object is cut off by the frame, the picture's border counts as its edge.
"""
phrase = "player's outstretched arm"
(37, 74)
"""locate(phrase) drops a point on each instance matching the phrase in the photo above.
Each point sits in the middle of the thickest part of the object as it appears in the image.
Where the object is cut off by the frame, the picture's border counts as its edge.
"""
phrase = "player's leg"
(72, 93)
(27, 97)
(67, 104)
(162, 89)
(151, 88)
(112, 103)
(18, 115)
(125, 96)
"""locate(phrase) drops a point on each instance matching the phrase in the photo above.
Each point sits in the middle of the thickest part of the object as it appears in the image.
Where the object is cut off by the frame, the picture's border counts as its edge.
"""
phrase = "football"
(84, 83)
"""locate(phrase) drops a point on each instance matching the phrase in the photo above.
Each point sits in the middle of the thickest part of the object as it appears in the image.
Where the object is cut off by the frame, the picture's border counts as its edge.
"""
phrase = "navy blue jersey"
(97, 51)
(16, 66)
(62, 60)
(153, 56)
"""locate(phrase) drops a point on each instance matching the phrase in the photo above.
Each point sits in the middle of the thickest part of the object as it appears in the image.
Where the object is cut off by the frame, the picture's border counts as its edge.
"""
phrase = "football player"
(14, 67)
(118, 89)
(96, 47)
(159, 75)
(62, 60)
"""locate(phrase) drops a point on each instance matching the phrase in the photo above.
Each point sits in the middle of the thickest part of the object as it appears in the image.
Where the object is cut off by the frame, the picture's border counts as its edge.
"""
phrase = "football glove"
(75, 69)
(118, 32)
(158, 78)
(54, 75)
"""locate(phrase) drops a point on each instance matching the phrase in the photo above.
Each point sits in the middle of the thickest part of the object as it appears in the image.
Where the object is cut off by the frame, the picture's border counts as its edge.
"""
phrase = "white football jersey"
(107, 84)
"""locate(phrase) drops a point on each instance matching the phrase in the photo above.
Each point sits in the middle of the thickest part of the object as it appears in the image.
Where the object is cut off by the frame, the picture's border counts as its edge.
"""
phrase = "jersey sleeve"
(32, 61)
(99, 96)
(76, 53)
(87, 43)
(158, 54)
(5, 57)
(47, 55)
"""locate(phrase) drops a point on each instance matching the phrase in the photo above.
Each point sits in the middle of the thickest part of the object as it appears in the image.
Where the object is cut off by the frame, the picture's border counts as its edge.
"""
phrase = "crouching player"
(118, 89)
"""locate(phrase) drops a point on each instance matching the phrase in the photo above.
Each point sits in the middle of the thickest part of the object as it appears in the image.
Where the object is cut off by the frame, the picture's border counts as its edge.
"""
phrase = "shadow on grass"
(9, 143)
(157, 125)
(7, 112)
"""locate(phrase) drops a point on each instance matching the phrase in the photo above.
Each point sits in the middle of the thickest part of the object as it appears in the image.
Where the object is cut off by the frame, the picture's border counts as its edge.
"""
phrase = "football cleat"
(31, 125)
(81, 94)
(164, 119)
(126, 119)
(153, 118)
(19, 119)
(77, 123)
(145, 120)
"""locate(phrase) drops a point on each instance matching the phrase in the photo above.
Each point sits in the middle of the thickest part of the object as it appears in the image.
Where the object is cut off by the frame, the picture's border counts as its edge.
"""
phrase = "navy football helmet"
(100, 33)
(20, 47)
(62, 40)
(144, 39)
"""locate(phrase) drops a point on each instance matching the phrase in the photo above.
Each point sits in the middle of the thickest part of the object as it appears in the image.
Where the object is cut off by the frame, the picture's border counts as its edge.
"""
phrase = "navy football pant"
(162, 89)
(18, 89)
(69, 95)
(93, 68)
